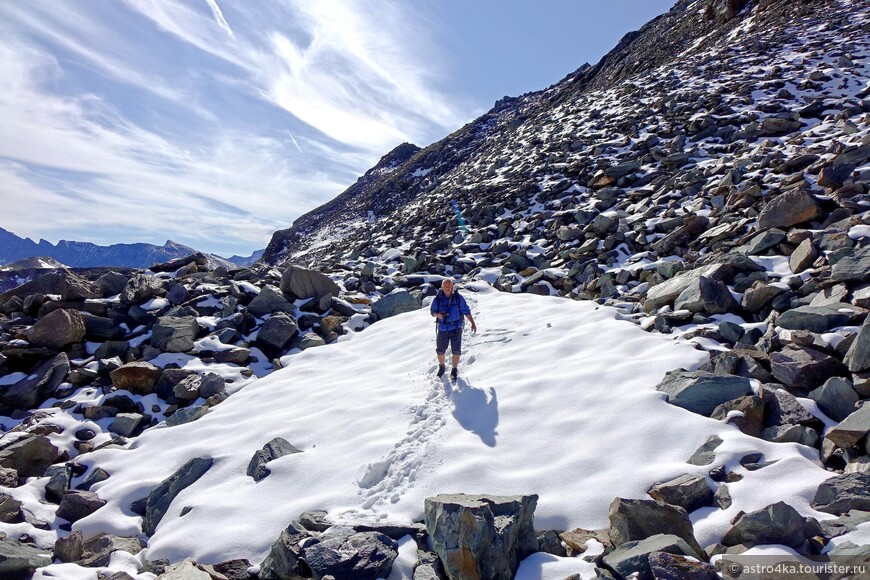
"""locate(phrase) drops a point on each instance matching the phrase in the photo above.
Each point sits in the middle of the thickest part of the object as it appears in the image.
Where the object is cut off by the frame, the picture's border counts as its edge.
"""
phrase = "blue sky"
(214, 123)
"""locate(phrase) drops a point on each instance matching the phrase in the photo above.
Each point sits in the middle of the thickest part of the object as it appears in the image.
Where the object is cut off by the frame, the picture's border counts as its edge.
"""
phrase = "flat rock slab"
(836, 398)
(687, 491)
(161, 497)
(397, 302)
(633, 557)
(850, 430)
(19, 560)
(701, 392)
(76, 505)
(31, 391)
(638, 519)
(843, 493)
(820, 318)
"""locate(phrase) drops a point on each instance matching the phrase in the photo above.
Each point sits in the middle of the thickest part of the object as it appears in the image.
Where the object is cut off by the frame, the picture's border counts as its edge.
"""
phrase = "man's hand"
(439, 315)
(473, 327)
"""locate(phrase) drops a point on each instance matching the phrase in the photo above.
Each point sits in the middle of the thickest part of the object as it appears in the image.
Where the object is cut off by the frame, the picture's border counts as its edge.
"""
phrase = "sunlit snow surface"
(555, 397)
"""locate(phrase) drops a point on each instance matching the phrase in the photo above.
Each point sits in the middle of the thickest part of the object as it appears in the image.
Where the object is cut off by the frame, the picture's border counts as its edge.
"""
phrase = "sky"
(214, 123)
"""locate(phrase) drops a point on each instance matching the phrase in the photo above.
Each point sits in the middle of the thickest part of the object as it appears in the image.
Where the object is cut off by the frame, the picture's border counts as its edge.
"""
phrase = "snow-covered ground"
(555, 397)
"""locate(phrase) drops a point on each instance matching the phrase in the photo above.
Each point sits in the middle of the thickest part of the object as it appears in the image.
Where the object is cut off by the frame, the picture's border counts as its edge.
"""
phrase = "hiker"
(449, 308)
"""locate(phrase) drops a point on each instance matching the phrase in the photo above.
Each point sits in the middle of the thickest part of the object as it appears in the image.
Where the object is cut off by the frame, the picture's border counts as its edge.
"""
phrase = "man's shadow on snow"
(475, 409)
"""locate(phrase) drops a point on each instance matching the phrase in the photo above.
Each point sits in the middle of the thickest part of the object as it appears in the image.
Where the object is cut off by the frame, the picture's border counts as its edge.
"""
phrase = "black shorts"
(454, 337)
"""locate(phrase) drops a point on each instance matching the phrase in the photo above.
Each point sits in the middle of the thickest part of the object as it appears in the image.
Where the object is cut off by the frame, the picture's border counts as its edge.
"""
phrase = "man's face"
(447, 287)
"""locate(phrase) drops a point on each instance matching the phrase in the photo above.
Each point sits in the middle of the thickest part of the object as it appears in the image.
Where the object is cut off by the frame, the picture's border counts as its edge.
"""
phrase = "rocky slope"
(87, 255)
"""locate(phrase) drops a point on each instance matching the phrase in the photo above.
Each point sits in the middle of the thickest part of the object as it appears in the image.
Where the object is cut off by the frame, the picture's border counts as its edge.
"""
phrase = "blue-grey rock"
(633, 557)
(820, 318)
(276, 333)
(351, 555)
(30, 455)
(269, 301)
(804, 367)
(850, 430)
(836, 398)
(31, 391)
(854, 266)
(858, 356)
(77, 504)
(58, 482)
(706, 453)
(701, 392)
(397, 302)
(778, 523)
(163, 495)
(638, 519)
(283, 560)
(186, 415)
(174, 333)
(126, 424)
(304, 283)
(277, 447)
(843, 493)
(687, 491)
(19, 560)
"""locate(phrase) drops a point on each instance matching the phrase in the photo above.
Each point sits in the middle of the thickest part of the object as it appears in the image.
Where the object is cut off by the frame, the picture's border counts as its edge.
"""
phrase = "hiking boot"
(441, 369)
(454, 374)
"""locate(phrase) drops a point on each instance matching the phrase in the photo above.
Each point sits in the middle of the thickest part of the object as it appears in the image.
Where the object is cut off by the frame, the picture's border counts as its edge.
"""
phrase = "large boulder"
(58, 329)
(276, 333)
(77, 504)
(111, 283)
(269, 301)
(778, 523)
(277, 447)
(669, 290)
(31, 391)
(162, 496)
(701, 392)
(141, 288)
(836, 398)
(174, 333)
(687, 491)
(858, 356)
(843, 494)
(706, 295)
(284, 559)
(18, 560)
(396, 302)
(351, 555)
(633, 557)
(304, 283)
(481, 536)
(638, 519)
(30, 455)
(97, 551)
(853, 266)
(850, 430)
(138, 377)
(804, 367)
(788, 209)
(820, 318)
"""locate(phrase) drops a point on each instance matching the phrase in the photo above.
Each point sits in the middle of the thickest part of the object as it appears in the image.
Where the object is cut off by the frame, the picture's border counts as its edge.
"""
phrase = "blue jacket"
(453, 309)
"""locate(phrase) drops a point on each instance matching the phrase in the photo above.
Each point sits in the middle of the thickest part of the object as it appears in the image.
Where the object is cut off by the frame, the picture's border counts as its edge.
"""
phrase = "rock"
(283, 560)
(428, 567)
(836, 398)
(853, 156)
(10, 509)
(95, 475)
(272, 450)
(185, 570)
(481, 536)
(126, 424)
(18, 560)
(637, 519)
(622, 169)
(668, 566)
(31, 391)
(310, 340)
(174, 333)
(9, 477)
(668, 291)
(275, 334)
(764, 241)
(187, 389)
(30, 455)
(178, 294)
(397, 302)
(687, 491)
(76, 505)
(705, 454)
(186, 415)
(820, 318)
(70, 548)
(161, 497)
(850, 430)
(803, 256)
(782, 408)
(233, 569)
(791, 434)
(776, 127)
(722, 497)
(111, 283)
(354, 556)
(138, 377)
(835, 177)
(112, 349)
(236, 356)
(759, 295)
(58, 482)
(141, 288)
(750, 422)
(269, 301)
(549, 542)
(844, 524)
(700, 392)
(304, 283)
(98, 550)
(633, 557)
(858, 356)
(788, 209)
(804, 367)
(853, 266)
(706, 295)
(778, 523)
(577, 540)
(57, 330)
(843, 493)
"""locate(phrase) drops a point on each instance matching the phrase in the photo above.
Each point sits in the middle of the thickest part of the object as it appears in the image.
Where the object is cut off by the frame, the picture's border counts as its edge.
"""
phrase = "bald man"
(448, 308)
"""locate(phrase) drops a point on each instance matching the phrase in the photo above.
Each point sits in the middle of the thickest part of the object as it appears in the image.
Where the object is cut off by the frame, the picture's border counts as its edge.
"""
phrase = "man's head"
(447, 286)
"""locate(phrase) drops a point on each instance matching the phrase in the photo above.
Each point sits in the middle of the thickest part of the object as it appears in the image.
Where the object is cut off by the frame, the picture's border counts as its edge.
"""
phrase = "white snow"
(555, 397)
